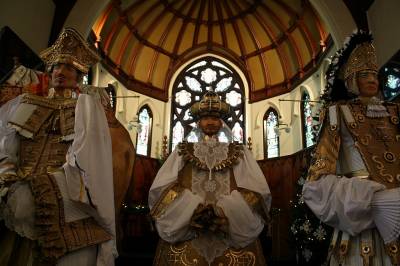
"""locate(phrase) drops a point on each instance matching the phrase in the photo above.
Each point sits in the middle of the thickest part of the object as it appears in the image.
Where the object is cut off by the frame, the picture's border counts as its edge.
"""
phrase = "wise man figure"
(56, 181)
(210, 199)
(353, 183)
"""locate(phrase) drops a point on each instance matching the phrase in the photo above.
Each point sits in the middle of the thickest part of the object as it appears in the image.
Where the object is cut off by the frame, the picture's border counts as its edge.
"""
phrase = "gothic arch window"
(143, 142)
(306, 120)
(207, 73)
(271, 133)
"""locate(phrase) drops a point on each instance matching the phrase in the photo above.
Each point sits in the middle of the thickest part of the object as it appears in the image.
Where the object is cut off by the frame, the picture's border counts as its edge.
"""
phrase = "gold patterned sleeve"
(327, 150)
(167, 197)
(255, 202)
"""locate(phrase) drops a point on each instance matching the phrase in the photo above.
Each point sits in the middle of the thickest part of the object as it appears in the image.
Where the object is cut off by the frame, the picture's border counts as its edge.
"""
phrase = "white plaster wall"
(30, 20)
(337, 18)
(127, 108)
(84, 14)
(384, 21)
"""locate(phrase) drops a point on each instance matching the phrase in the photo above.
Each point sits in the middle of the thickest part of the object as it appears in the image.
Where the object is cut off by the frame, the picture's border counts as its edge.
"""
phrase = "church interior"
(266, 58)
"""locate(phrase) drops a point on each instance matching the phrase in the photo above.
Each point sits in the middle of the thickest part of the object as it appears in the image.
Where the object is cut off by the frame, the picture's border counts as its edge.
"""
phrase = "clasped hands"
(210, 218)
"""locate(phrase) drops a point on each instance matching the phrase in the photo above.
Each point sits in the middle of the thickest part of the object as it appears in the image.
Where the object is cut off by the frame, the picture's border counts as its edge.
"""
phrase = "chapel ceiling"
(276, 43)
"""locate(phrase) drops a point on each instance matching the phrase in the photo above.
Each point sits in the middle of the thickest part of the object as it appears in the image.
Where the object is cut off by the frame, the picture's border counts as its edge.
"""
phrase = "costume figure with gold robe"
(209, 200)
(353, 182)
(56, 182)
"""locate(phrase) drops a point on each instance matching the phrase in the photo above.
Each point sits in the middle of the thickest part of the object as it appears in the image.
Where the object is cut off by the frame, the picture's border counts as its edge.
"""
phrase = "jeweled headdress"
(357, 54)
(210, 105)
(70, 48)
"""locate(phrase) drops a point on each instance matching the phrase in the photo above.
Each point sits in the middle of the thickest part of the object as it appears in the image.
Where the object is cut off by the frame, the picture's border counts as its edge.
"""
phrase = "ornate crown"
(70, 48)
(210, 105)
(356, 55)
(362, 58)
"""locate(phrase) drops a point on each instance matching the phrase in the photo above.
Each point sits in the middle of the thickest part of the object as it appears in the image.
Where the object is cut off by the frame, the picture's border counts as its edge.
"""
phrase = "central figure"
(210, 199)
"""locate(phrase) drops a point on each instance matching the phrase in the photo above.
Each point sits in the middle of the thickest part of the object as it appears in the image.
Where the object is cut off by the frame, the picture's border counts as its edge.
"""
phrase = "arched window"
(271, 133)
(307, 120)
(143, 142)
(207, 73)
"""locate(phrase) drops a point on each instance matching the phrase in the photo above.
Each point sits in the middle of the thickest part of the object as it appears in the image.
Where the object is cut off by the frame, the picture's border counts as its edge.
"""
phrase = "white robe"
(88, 166)
(244, 224)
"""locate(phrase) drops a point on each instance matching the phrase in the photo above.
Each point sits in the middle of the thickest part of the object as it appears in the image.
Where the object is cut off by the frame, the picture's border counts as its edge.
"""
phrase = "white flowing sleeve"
(248, 175)
(88, 169)
(344, 203)
(173, 220)
(386, 213)
(9, 141)
(245, 224)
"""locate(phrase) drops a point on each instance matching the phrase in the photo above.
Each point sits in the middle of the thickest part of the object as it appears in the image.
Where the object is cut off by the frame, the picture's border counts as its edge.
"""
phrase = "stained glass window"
(307, 120)
(143, 143)
(271, 133)
(391, 82)
(205, 74)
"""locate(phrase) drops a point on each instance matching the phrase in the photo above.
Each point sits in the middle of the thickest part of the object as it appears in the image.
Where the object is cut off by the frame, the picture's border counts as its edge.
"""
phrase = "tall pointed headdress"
(70, 48)
(210, 105)
(357, 54)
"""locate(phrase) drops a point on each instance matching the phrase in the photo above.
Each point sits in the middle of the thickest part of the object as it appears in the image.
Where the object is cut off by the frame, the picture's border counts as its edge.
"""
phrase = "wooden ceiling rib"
(198, 22)
(222, 25)
(303, 28)
(266, 77)
(287, 33)
(275, 43)
(138, 48)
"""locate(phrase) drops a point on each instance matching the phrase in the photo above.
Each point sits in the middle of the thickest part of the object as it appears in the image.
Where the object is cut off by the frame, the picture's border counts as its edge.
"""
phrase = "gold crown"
(210, 105)
(70, 48)
(362, 58)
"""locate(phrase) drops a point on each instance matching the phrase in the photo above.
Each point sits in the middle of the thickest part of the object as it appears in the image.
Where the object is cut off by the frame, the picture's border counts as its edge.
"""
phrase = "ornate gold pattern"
(241, 258)
(392, 249)
(366, 252)
(362, 58)
(389, 156)
(70, 48)
(184, 254)
(394, 120)
(210, 105)
(39, 158)
(377, 151)
(235, 152)
(256, 202)
(360, 118)
(326, 153)
(168, 196)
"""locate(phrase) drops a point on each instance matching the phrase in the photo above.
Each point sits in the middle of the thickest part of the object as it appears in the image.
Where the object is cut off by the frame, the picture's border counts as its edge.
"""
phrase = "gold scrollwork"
(177, 256)
(394, 120)
(392, 249)
(360, 118)
(381, 169)
(241, 258)
(353, 125)
(389, 156)
(333, 127)
(365, 139)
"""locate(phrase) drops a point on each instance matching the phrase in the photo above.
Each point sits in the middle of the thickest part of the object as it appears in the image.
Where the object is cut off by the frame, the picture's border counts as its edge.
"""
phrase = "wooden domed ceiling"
(276, 43)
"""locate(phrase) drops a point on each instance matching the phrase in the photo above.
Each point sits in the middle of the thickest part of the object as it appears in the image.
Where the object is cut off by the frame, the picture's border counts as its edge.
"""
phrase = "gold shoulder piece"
(326, 152)
(255, 202)
(167, 197)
